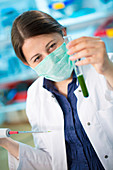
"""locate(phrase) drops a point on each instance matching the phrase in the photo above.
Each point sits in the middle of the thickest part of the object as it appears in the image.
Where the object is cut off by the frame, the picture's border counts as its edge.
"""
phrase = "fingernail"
(72, 58)
(69, 52)
(68, 45)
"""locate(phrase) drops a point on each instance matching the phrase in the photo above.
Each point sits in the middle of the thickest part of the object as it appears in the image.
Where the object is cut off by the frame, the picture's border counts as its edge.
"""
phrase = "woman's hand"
(10, 145)
(2, 141)
(92, 49)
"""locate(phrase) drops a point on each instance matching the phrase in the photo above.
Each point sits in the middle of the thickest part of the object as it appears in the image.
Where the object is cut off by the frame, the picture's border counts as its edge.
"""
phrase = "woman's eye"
(37, 58)
(52, 47)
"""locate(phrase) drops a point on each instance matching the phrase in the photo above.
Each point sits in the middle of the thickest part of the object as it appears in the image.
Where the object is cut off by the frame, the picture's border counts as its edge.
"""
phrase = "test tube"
(78, 71)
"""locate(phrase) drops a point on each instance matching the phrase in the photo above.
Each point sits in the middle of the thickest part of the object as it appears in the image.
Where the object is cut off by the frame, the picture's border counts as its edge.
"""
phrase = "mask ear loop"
(78, 71)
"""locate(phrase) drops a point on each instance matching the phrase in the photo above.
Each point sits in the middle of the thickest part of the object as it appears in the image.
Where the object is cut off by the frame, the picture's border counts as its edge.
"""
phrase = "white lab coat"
(44, 113)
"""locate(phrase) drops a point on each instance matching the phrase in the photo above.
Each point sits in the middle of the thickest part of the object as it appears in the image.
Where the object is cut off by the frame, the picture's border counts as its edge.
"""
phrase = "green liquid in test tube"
(78, 72)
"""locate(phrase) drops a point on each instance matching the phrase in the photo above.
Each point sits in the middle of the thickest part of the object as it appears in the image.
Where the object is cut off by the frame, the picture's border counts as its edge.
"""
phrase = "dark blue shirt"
(80, 153)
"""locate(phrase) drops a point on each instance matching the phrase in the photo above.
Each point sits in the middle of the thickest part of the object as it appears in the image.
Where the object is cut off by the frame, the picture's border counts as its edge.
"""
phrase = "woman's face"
(35, 49)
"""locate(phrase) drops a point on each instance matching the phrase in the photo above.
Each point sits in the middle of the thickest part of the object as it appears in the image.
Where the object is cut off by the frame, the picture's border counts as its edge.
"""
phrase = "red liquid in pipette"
(13, 132)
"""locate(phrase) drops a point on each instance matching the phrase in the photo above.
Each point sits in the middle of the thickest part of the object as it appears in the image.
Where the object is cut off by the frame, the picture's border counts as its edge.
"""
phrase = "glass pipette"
(6, 132)
(78, 71)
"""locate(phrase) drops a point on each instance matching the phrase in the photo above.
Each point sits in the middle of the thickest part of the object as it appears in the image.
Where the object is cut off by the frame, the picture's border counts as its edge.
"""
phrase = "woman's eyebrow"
(49, 43)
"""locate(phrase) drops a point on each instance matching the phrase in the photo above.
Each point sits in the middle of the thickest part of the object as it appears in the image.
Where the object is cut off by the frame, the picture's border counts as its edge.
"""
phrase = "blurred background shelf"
(13, 107)
(18, 77)
(92, 19)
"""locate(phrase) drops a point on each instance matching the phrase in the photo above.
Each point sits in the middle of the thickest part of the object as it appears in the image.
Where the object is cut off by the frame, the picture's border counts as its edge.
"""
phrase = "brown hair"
(29, 24)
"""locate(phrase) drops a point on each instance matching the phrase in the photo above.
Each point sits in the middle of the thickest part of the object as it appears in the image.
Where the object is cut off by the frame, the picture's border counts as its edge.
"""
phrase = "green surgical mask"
(56, 66)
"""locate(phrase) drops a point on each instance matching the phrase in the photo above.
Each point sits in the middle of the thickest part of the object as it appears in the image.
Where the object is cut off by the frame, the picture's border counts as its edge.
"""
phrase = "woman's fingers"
(81, 46)
(84, 53)
(91, 50)
(81, 39)
(90, 56)
(88, 60)
(83, 62)
(90, 47)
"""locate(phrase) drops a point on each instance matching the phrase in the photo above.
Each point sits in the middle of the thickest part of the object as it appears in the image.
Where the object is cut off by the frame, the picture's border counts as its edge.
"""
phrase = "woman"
(81, 128)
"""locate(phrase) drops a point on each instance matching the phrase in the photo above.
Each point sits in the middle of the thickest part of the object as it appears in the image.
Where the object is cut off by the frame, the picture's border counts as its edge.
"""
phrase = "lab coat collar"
(49, 85)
